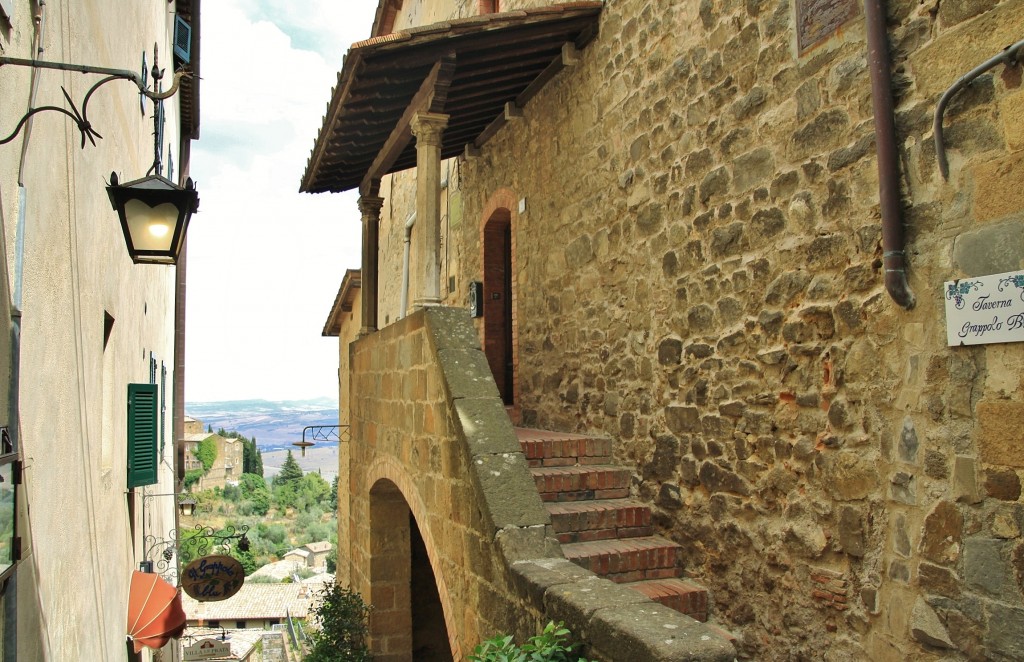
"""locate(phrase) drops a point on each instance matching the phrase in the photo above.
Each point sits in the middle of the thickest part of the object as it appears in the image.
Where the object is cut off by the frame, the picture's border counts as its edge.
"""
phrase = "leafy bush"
(551, 645)
(342, 627)
(192, 477)
(206, 453)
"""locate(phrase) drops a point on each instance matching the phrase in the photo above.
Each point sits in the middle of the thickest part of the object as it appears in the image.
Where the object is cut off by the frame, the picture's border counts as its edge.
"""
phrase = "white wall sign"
(206, 649)
(987, 309)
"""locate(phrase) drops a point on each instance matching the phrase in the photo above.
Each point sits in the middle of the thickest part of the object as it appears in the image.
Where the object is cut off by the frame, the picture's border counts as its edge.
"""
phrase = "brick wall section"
(430, 436)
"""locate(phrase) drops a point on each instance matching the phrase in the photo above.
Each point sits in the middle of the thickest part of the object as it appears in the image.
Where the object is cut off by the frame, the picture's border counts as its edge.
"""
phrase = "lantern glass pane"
(151, 228)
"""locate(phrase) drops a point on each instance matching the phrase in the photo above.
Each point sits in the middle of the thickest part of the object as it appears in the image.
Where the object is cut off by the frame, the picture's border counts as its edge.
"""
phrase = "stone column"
(428, 128)
(369, 207)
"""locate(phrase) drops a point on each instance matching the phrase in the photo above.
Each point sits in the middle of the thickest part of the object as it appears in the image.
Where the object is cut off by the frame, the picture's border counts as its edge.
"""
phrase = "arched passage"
(408, 620)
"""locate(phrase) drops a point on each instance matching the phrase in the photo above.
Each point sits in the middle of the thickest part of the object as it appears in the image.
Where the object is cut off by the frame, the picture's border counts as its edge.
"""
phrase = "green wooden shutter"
(142, 434)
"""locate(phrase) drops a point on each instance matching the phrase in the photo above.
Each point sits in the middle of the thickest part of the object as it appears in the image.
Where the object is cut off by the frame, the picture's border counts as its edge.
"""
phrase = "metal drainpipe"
(893, 253)
(10, 616)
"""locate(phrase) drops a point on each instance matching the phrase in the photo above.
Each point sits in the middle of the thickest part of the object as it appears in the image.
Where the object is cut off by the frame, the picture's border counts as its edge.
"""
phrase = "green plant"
(206, 453)
(192, 477)
(551, 645)
(341, 630)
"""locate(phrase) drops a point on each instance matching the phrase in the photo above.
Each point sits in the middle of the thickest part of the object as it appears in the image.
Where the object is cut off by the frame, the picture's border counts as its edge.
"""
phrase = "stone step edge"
(621, 622)
(693, 596)
(599, 519)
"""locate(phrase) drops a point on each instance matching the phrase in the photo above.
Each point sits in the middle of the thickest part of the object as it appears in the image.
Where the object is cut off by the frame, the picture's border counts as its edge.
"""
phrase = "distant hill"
(275, 424)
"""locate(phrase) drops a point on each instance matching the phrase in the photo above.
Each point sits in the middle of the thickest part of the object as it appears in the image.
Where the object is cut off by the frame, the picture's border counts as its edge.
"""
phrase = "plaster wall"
(698, 277)
(80, 540)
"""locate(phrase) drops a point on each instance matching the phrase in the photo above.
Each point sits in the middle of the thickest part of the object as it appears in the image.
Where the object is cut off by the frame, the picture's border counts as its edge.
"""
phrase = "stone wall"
(431, 439)
(408, 458)
(698, 277)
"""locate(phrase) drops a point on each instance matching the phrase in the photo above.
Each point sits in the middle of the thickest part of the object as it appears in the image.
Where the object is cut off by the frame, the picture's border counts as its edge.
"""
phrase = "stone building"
(717, 235)
(227, 465)
(88, 336)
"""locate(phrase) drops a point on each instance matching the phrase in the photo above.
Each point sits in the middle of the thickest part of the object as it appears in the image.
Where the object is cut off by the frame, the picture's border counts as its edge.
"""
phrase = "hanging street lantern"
(154, 215)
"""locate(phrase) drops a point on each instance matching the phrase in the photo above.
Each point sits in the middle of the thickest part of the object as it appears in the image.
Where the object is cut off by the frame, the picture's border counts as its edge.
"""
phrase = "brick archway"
(500, 323)
(405, 588)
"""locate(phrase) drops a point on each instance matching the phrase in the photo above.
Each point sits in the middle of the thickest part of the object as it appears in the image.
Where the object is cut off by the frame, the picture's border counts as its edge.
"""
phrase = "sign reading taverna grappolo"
(212, 578)
(987, 309)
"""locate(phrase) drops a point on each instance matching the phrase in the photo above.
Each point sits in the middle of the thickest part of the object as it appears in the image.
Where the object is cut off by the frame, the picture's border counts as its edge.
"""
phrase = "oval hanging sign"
(212, 578)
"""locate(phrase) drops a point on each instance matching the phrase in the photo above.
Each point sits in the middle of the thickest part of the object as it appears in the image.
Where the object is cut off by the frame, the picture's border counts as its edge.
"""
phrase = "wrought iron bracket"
(338, 433)
(81, 118)
(191, 543)
(1009, 56)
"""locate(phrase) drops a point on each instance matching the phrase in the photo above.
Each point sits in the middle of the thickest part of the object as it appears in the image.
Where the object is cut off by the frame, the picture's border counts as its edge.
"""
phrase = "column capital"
(428, 127)
(370, 205)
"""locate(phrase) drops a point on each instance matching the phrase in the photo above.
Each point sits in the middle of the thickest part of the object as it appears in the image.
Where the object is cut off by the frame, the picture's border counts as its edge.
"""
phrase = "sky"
(264, 261)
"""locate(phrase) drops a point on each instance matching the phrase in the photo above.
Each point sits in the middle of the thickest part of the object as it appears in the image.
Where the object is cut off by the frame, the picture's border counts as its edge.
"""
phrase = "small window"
(240, 625)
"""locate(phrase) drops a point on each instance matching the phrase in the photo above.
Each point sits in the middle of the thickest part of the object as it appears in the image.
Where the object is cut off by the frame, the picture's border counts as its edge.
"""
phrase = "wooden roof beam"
(431, 98)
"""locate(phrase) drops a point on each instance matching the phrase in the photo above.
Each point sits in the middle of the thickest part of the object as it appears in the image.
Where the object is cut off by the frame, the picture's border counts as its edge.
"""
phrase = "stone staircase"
(600, 527)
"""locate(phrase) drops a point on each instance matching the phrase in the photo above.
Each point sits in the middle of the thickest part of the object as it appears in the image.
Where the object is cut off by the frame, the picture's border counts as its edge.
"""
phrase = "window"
(240, 625)
(142, 434)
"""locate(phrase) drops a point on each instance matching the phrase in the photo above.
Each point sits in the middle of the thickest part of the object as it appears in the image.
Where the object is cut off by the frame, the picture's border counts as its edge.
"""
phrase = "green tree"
(247, 559)
(342, 626)
(291, 472)
(252, 460)
(315, 489)
(254, 490)
(334, 496)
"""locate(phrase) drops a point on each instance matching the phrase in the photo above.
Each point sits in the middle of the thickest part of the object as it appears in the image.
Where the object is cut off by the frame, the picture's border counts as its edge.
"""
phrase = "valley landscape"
(275, 425)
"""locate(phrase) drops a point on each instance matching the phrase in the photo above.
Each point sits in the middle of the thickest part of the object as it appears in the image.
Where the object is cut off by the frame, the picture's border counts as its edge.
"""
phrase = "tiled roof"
(255, 601)
(322, 546)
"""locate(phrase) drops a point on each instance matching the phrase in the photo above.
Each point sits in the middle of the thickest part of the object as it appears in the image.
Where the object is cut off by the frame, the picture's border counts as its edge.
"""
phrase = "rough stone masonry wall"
(405, 434)
(430, 435)
(698, 278)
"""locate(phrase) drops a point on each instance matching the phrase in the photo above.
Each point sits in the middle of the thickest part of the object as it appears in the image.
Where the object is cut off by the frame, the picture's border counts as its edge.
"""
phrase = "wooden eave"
(499, 59)
(343, 301)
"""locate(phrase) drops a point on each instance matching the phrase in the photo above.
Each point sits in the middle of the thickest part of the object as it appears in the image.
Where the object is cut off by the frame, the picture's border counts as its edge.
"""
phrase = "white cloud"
(264, 261)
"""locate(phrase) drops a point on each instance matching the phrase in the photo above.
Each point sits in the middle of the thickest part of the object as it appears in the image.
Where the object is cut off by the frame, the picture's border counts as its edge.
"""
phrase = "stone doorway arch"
(408, 618)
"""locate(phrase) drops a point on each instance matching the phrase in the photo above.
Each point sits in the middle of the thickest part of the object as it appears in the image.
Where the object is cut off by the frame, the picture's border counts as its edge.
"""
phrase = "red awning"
(154, 611)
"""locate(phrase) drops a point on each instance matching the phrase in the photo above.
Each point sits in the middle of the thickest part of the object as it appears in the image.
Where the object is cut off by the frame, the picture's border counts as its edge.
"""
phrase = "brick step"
(628, 560)
(680, 594)
(559, 449)
(579, 483)
(583, 521)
